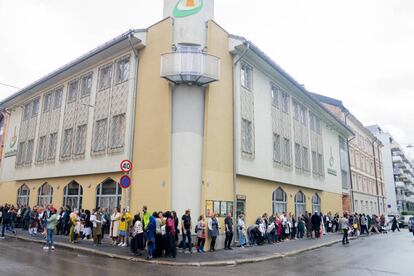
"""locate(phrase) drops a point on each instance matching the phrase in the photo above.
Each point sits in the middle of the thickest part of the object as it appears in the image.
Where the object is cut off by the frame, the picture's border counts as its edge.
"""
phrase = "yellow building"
(222, 129)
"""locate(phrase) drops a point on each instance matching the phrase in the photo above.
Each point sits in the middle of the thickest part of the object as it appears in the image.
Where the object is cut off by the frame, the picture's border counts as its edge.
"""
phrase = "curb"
(188, 264)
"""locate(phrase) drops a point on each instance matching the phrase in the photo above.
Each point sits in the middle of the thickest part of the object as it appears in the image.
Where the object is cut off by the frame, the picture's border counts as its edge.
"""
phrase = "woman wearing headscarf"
(150, 235)
(114, 231)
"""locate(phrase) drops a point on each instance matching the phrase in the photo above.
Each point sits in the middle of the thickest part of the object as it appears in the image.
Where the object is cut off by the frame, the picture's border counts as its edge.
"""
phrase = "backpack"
(196, 229)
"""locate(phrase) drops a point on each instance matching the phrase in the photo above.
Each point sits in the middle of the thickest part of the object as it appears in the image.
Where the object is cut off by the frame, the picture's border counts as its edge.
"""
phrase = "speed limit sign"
(126, 166)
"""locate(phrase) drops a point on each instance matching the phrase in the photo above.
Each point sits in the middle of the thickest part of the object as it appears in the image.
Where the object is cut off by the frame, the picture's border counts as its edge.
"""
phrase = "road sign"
(126, 166)
(125, 181)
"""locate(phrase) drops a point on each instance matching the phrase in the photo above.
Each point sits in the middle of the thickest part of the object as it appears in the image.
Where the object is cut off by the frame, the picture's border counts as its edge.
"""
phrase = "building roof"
(123, 37)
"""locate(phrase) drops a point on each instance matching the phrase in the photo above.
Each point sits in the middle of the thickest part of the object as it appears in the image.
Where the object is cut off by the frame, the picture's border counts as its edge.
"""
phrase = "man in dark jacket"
(316, 224)
(8, 216)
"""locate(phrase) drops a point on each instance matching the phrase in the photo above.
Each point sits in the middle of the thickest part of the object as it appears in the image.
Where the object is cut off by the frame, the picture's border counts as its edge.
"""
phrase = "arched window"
(300, 204)
(279, 201)
(108, 194)
(45, 195)
(23, 194)
(316, 203)
(72, 195)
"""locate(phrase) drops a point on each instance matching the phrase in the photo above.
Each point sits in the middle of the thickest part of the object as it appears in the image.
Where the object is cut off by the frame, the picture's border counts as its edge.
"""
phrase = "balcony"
(400, 185)
(398, 171)
(190, 67)
(396, 159)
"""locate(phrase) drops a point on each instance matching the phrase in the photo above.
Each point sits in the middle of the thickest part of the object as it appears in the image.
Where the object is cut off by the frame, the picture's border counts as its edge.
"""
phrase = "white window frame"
(287, 152)
(117, 138)
(102, 85)
(118, 70)
(67, 142)
(99, 141)
(52, 146)
(247, 136)
(277, 149)
(279, 206)
(80, 139)
(246, 76)
(274, 92)
(72, 91)
(86, 85)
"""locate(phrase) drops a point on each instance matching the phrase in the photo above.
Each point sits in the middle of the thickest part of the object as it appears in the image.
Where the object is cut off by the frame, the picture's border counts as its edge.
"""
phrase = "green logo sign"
(185, 8)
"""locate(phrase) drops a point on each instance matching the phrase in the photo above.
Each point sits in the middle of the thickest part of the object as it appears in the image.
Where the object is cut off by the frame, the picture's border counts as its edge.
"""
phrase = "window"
(72, 91)
(314, 162)
(300, 204)
(285, 102)
(296, 114)
(100, 135)
(35, 108)
(47, 100)
(72, 195)
(117, 131)
(303, 117)
(312, 121)
(305, 158)
(44, 196)
(298, 161)
(246, 76)
(26, 111)
(287, 152)
(41, 149)
(360, 183)
(316, 203)
(356, 206)
(317, 125)
(279, 201)
(57, 99)
(51, 152)
(105, 77)
(277, 156)
(122, 70)
(247, 136)
(86, 85)
(320, 164)
(29, 152)
(20, 153)
(23, 194)
(80, 140)
(67, 142)
(108, 195)
(275, 96)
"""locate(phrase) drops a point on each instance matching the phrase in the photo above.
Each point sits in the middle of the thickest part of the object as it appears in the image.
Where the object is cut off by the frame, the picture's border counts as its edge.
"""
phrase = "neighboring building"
(4, 119)
(404, 178)
(225, 129)
(390, 192)
(367, 173)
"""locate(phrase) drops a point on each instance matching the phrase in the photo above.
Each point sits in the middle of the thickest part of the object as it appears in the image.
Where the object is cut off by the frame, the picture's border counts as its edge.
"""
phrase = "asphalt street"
(390, 254)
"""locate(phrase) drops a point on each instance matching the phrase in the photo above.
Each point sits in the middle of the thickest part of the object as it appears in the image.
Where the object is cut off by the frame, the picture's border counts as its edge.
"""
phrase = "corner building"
(209, 121)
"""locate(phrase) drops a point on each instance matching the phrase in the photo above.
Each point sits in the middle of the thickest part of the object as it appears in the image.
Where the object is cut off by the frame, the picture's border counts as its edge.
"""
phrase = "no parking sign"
(125, 182)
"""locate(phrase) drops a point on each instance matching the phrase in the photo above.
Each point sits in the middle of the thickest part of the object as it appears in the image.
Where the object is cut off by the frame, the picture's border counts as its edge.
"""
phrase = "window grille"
(35, 108)
(246, 76)
(57, 99)
(118, 131)
(100, 135)
(277, 156)
(80, 139)
(47, 100)
(247, 135)
(105, 77)
(275, 96)
(287, 152)
(72, 91)
(67, 142)
(41, 149)
(298, 154)
(122, 70)
(29, 152)
(86, 85)
(51, 152)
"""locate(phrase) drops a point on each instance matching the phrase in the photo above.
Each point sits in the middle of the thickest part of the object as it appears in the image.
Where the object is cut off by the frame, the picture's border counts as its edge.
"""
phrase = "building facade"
(367, 189)
(403, 177)
(4, 119)
(221, 129)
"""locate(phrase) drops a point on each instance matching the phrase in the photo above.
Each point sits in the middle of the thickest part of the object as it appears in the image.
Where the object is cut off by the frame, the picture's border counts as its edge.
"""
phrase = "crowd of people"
(158, 233)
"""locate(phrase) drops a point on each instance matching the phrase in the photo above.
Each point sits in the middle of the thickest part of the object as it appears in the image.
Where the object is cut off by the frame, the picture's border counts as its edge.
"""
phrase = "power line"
(12, 86)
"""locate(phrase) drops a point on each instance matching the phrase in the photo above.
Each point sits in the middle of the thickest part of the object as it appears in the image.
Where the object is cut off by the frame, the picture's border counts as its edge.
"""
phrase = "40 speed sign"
(126, 166)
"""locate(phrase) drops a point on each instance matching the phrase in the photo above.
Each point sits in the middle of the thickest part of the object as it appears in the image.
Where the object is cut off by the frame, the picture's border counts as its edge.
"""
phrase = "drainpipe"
(375, 170)
(133, 108)
(347, 113)
(234, 132)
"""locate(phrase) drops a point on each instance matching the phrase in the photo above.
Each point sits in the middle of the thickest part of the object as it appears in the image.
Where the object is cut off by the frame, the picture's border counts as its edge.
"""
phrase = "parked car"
(403, 221)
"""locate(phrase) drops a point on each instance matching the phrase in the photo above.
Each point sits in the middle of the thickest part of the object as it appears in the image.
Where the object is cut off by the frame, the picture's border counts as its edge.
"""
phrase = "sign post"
(125, 181)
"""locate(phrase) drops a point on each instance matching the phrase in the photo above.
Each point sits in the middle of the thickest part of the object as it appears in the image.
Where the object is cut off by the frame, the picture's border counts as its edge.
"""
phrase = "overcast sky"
(358, 51)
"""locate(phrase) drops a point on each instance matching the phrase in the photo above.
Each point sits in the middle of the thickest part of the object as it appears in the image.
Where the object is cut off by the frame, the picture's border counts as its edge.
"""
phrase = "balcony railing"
(397, 159)
(191, 67)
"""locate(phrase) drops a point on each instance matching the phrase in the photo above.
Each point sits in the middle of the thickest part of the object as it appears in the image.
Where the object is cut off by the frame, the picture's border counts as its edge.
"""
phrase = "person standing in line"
(186, 231)
(345, 228)
(150, 236)
(177, 225)
(316, 224)
(201, 234)
(308, 224)
(52, 221)
(87, 231)
(241, 228)
(114, 231)
(137, 236)
(213, 230)
(158, 234)
(170, 230)
(228, 227)
(96, 219)
(301, 227)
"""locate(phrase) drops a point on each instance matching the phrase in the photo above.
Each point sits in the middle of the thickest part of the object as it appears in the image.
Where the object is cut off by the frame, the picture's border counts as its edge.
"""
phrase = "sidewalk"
(218, 258)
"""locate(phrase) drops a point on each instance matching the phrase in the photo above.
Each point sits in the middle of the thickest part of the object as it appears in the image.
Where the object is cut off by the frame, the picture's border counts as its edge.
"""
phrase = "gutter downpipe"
(376, 175)
(133, 109)
(234, 134)
(347, 113)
